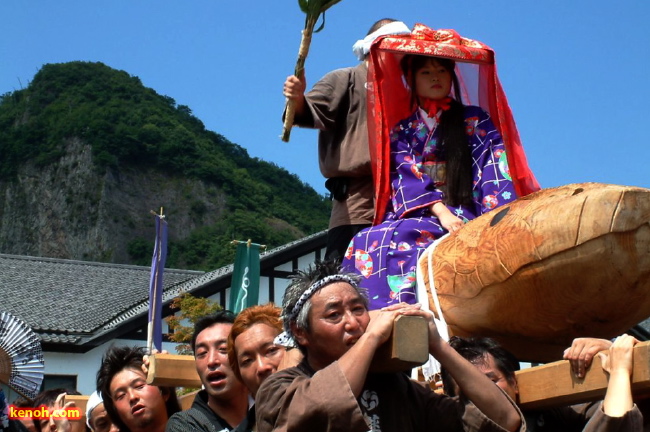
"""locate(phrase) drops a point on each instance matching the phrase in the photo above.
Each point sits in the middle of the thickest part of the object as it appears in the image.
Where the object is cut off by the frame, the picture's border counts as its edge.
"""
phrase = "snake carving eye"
(500, 215)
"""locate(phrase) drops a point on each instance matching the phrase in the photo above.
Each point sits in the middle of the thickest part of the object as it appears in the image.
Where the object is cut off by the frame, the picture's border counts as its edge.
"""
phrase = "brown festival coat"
(297, 399)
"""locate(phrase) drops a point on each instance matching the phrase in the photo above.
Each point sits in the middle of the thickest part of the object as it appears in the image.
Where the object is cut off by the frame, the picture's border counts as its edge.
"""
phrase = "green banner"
(245, 288)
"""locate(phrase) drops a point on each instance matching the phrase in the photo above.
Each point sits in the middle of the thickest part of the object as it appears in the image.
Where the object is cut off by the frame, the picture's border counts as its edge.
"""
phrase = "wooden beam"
(80, 401)
(173, 370)
(407, 347)
(554, 384)
(187, 400)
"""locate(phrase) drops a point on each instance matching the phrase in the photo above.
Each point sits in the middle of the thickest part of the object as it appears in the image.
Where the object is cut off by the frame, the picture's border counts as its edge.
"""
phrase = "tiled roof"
(70, 302)
(74, 297)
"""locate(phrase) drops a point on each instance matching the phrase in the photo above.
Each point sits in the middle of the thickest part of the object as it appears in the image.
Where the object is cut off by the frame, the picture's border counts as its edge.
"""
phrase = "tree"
(191, 309)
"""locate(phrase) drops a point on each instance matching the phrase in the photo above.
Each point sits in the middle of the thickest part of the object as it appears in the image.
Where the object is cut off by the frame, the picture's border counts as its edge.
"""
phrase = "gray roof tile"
(72, 302)
(78, 297)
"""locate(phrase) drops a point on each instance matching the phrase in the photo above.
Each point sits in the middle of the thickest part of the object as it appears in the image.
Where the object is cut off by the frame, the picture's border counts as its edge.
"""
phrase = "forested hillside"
(87, 151)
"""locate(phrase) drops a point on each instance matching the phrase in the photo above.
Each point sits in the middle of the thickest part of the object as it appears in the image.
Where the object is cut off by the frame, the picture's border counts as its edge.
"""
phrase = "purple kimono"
(387, 254)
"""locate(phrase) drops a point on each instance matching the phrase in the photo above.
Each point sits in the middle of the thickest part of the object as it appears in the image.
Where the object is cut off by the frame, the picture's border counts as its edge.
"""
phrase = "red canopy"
(389, 99)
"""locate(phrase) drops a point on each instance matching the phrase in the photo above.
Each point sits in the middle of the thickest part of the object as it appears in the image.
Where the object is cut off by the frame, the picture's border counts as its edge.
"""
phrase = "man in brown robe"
(326, 314)
(336, 106)
(500, 365)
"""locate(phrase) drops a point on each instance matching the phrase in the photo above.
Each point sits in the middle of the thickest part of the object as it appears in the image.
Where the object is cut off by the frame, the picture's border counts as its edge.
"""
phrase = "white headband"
(362, 47)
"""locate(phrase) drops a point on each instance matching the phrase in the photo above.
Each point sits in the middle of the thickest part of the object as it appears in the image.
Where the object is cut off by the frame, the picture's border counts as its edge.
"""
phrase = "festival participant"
(581, 353)
(615, 413)
(447, 165)
(445, 171)
(54, 400)
(325, 312)
(27, 422)
(224, 403)
(131, 403)
(336, 106)
(252, 351)
(97, 418)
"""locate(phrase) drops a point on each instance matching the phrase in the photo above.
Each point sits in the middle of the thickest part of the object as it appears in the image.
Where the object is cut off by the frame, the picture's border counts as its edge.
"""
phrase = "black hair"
(474, 350)
(221, 317)
(115, 360)
(454, 144)
(379, 24)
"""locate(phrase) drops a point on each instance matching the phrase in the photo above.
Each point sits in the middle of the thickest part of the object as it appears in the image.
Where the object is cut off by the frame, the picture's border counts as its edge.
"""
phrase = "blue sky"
(575, 71)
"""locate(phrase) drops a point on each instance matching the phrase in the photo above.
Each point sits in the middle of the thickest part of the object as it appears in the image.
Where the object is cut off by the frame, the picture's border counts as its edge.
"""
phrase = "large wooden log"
(557, 264)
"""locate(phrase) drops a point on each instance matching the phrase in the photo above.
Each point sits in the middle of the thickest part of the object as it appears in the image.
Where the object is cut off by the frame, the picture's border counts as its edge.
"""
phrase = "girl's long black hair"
(455, 146)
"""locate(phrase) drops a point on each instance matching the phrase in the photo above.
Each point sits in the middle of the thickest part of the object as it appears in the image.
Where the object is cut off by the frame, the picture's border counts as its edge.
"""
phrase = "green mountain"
(88, 151)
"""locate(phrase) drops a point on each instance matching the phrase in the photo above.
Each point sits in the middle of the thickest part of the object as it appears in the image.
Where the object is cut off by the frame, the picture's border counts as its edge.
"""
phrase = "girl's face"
(432, 81)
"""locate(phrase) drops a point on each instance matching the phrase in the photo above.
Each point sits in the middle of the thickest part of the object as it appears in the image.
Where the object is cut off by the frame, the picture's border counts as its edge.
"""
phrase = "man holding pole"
(336, 106)
(331, 389)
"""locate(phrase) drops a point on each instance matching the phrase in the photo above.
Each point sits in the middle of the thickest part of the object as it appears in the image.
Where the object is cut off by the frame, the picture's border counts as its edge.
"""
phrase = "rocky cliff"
(87, 153)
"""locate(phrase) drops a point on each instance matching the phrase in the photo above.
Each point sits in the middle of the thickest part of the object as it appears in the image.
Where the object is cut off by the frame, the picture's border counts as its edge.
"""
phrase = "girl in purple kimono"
(448, 166)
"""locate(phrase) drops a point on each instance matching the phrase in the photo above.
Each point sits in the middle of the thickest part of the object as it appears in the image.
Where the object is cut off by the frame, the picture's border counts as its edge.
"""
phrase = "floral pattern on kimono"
(386, 255)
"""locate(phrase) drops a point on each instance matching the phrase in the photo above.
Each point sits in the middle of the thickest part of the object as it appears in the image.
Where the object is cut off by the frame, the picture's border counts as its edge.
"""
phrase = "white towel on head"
(94, 400)
(362, 47)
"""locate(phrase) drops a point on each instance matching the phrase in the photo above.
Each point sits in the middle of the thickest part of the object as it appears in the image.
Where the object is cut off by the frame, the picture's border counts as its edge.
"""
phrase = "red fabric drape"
(389, 99)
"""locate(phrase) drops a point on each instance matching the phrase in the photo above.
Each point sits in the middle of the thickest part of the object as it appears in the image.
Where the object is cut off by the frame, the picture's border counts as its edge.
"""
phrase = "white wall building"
(79, 309)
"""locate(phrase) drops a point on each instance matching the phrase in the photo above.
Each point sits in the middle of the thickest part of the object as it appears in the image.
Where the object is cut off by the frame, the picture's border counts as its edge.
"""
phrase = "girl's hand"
(451, 223)
(448, 220)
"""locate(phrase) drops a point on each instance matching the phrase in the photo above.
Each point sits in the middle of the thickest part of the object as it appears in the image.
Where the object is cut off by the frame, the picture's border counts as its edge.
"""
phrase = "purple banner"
(156, 285)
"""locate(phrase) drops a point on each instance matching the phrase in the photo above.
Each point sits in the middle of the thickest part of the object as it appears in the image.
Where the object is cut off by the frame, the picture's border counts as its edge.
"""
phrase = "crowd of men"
(252, 381)
(306, 367)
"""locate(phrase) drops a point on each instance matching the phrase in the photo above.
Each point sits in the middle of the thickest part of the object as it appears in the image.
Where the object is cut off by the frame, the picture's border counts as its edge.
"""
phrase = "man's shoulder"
(195, 419)
(192, 419)
(277, 382)
(342, 71)
(342, 74)
(285, 375)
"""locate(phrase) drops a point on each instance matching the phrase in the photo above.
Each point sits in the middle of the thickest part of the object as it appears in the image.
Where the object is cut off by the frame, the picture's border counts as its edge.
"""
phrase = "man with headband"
(326, 314)
(336, 106)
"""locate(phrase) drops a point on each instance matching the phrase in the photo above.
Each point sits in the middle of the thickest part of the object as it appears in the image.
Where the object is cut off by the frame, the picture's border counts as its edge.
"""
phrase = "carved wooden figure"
(557, 264)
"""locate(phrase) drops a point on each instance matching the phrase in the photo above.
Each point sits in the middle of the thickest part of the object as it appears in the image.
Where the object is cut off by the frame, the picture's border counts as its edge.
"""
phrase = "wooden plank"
(554, 384)
(187, 400)
(173, 370)
(80, 402)
(407, 347)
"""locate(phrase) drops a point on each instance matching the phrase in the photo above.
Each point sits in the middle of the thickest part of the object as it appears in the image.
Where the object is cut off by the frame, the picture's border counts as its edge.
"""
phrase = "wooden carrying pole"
(554, 384)
(173, 370)
(80, 401)
(407, 348)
